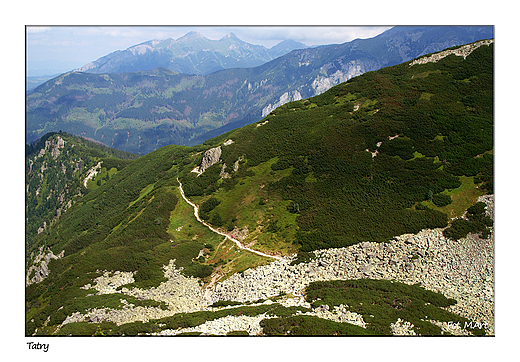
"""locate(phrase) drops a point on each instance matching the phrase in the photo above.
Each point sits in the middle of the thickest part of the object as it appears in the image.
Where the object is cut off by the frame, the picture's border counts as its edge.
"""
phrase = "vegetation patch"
(382, 302)
(462, 197)
(309, 326)
(476, 222)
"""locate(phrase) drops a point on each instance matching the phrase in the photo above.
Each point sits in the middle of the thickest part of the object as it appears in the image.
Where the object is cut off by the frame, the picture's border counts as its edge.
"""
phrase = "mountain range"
(190, 54)
(364, 210)
(142, 111)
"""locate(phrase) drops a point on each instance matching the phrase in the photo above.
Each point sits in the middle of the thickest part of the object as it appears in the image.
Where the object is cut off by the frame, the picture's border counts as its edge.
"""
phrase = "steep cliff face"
(49, 190)
(284, 98)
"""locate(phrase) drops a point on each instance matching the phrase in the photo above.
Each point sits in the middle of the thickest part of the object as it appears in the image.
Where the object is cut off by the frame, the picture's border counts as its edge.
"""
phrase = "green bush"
(477, 222)
(441, 200)
(78, 329)
(459, 228)
(303, 257)
(224, 303)
(309, 326)
(216, 220)
(402, 147)
(382, 302)
(478, 208)
(207, 206)
(198, 270)
(420, 206)
(273, 227)
(237, 333)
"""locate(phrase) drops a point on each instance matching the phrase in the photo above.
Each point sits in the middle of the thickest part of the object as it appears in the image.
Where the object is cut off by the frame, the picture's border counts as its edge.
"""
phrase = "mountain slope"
(190, 54)
(57, 167)
(354, 168)
(140, 112)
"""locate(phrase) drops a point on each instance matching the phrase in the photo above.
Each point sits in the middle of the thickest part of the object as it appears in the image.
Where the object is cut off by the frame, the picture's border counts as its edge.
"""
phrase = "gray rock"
(211, 157)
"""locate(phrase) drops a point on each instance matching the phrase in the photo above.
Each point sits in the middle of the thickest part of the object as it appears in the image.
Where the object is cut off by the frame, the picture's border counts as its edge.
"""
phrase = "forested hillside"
(56, 168)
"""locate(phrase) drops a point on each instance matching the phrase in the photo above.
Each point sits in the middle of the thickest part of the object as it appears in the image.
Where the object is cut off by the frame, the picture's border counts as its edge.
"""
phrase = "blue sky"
(62, 48)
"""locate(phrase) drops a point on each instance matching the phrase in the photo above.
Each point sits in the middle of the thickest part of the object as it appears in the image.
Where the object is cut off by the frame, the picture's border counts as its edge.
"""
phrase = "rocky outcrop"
(92, 173)
(463, 51)
(55, 151)
(211, 157)
(109, 282)
(39, 269)
(339, 71)
(53, 146)
(223, 172)
(402, 328)
(284, 98)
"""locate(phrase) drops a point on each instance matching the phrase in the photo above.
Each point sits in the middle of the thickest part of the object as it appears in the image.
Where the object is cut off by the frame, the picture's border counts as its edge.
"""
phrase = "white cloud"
(309, 35)
(113, 31)
(37, 29)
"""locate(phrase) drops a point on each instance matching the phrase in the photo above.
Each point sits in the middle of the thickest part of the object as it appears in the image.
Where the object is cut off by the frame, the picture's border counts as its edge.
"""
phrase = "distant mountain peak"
(285, 47)
(192, 35)
(229, 35)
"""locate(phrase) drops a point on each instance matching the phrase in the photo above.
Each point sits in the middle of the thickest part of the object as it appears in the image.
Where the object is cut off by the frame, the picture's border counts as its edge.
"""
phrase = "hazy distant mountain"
(285, 47)
(190, 54)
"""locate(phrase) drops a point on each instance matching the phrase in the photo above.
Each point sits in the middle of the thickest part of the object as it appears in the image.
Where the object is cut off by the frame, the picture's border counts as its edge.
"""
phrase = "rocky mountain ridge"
(191, 53)
(57, 167)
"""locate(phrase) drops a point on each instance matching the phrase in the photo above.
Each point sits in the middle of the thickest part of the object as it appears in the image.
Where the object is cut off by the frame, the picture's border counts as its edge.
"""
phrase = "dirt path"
(238, 243)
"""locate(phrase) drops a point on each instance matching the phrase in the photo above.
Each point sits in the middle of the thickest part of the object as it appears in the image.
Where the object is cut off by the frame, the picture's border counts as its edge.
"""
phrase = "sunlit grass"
(462, 197)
